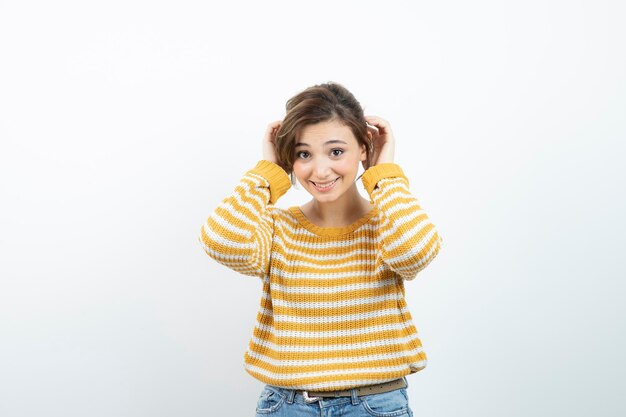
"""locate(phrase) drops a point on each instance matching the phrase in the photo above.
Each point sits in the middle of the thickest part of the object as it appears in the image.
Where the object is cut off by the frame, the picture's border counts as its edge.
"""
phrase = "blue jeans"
(282, 402)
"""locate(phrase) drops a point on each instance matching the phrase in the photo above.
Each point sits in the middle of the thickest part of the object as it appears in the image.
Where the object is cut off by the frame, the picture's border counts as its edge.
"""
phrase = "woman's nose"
(321, 170)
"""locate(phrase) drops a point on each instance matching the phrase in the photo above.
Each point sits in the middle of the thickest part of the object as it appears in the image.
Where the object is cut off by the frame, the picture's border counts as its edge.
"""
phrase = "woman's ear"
(364, 157)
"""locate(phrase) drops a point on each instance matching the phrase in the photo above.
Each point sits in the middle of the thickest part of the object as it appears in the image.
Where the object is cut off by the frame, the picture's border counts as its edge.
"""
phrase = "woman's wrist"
(379, 171)
(275, 175)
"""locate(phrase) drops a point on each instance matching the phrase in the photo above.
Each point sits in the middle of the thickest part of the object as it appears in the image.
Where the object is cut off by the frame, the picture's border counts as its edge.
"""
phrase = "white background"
(124, 123)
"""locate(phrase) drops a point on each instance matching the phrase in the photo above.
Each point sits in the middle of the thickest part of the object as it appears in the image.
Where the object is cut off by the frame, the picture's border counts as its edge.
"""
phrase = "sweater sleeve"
(238, 233)
(409, 240)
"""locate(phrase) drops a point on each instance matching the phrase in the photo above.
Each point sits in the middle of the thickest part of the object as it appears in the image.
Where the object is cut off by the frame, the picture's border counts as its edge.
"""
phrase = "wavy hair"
(319, 103)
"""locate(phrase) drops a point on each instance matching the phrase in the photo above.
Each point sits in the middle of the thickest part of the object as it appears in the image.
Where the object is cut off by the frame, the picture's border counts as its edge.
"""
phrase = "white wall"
(123, 123)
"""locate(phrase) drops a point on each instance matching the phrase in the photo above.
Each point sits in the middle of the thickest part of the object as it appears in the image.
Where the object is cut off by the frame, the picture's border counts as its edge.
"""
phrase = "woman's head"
(320, 103)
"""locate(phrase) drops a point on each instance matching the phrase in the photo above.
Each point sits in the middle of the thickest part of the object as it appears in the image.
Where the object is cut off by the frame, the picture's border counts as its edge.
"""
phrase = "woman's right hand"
(269, 145)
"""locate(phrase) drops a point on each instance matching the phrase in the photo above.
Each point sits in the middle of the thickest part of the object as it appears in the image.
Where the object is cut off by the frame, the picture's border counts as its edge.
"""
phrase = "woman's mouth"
(325, 186)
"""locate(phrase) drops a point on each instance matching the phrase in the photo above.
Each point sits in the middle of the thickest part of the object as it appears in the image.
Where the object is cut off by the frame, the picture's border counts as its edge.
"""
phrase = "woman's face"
(327, 159)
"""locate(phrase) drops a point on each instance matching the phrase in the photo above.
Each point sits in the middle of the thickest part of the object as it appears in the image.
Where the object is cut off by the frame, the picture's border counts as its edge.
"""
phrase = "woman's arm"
(239, 232)
(409, 240)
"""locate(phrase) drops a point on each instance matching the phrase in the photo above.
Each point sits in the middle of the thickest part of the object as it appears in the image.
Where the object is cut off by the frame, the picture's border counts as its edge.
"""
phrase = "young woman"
(334, 335)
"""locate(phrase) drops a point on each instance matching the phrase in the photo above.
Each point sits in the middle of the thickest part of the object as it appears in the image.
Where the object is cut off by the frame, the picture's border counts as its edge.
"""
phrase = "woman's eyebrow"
(326, 143)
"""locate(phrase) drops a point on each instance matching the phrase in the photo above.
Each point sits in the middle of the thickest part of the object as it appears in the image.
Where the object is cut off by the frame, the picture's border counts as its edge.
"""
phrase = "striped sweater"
(333, 313)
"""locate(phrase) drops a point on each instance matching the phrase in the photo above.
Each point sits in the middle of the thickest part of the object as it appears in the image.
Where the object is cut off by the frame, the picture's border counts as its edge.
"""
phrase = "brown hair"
(320, 103)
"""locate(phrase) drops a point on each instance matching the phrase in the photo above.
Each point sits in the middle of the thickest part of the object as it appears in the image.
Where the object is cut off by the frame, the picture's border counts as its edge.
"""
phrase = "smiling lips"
(324, 186)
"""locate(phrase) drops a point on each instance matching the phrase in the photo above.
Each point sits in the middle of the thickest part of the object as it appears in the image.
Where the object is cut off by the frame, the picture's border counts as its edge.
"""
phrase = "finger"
(372, 129)
(274, 125)
(271, 130)
(377, 121)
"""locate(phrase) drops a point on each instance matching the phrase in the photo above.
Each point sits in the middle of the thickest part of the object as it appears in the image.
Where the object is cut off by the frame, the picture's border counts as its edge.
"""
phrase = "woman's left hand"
(382, 138)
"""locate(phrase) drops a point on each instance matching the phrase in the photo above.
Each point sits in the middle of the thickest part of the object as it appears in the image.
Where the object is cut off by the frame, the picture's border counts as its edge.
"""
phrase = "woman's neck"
(340, 213)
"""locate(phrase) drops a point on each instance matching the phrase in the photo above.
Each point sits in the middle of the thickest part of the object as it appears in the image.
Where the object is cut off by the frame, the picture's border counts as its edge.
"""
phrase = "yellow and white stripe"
(332, 312)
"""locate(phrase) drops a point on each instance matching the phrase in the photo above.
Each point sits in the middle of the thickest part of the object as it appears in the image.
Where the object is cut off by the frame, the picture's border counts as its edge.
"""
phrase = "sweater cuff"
(376, 173)
(276, 176)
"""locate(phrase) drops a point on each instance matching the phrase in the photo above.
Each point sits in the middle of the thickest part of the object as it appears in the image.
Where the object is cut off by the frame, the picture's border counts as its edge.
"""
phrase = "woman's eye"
(337, 152)
(301, 153)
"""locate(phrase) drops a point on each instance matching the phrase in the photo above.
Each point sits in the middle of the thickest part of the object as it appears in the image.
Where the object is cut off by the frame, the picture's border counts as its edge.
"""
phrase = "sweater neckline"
(330, 231)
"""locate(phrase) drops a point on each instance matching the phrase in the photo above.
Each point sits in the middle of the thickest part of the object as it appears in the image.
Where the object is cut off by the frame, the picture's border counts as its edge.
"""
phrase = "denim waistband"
(290, 394)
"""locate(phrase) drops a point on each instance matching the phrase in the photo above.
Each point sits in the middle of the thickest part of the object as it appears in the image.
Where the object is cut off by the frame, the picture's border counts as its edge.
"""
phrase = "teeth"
(328, 184)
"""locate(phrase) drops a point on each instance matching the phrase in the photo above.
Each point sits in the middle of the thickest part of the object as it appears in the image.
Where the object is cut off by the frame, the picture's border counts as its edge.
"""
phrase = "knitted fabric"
(333, 313)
